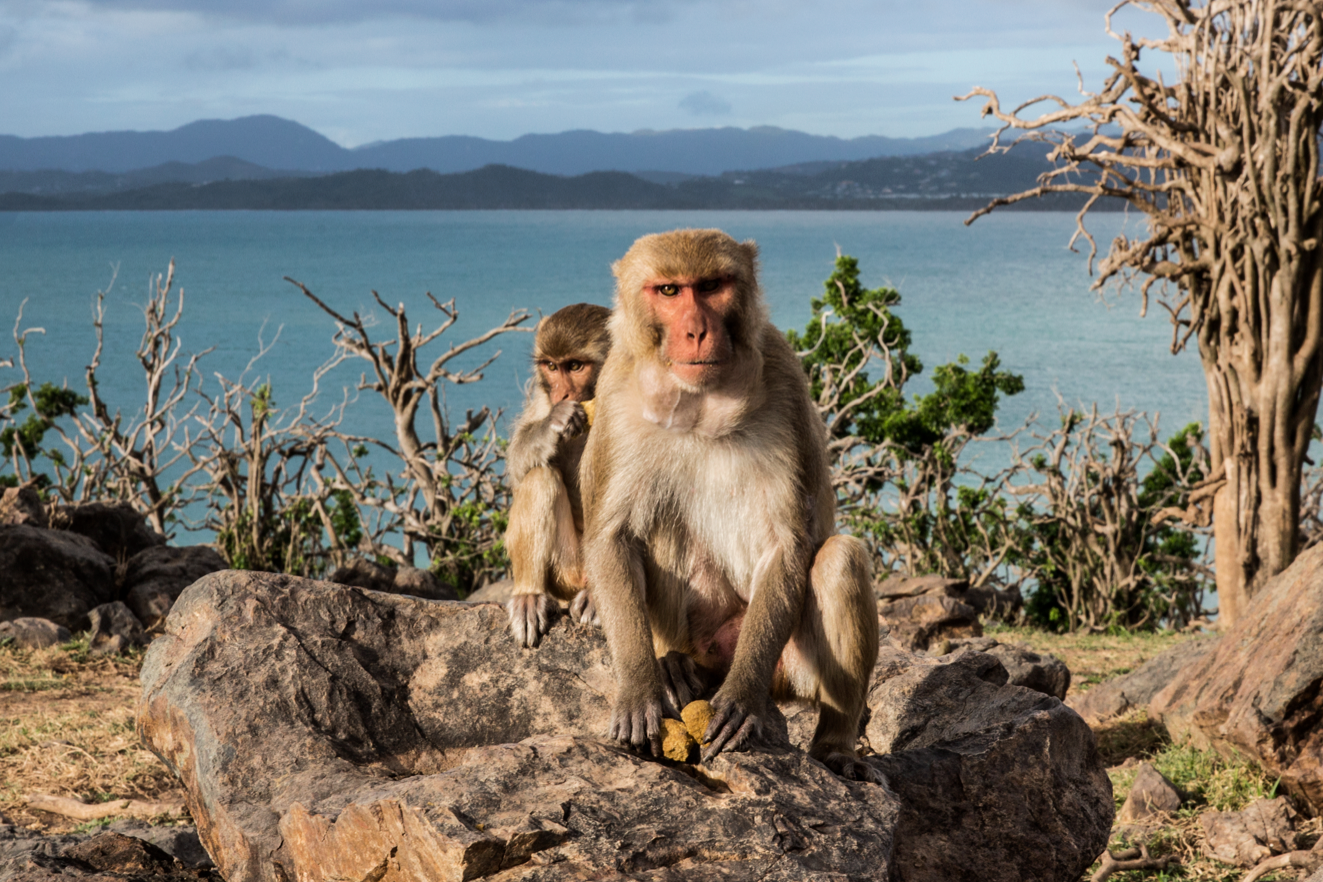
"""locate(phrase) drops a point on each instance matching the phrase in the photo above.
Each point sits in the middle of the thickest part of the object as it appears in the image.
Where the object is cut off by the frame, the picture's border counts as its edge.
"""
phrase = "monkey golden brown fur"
(546, 519)
(710, 539)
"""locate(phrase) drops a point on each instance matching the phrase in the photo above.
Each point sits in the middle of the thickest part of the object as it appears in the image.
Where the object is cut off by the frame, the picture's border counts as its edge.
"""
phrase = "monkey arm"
(537, 440)
(776, 605)
(617, 578)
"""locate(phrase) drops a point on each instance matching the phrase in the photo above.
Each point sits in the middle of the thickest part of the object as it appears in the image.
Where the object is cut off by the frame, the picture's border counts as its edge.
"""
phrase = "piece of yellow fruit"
(677, 744)
(696, 716)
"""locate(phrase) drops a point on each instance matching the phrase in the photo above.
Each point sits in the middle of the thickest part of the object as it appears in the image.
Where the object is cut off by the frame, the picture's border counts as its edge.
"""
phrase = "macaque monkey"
(710, 540)
(546, 518)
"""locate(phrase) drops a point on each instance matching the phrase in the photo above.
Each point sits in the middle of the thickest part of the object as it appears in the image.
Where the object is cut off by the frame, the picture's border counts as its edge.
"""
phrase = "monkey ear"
(750, 249)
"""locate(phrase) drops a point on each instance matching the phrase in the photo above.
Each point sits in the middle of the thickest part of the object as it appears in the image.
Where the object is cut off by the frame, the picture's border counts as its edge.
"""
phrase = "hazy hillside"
(268, 141)
(275, 143)
(937, 181)
(220, 168)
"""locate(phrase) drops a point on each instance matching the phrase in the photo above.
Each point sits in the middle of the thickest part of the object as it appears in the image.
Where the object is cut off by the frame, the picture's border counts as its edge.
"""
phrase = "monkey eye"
(667, 290)
(549, 366)
(707, 286)
(574, 366)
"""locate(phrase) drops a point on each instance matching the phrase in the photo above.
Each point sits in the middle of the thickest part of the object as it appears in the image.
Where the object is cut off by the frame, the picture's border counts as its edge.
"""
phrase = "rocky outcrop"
(328, 732)
(52, 574)
(363, 573)
(493, 592)
(1107, 701)
(916, 623)
(22, 505)
(1264, 828)
(139, 854)
(1024, 667)
(985, 600)
(34, 633)
(116, 528)
(965, 752)
(1151, 794)
(113, 628)
(1259, 691)
(153, 578)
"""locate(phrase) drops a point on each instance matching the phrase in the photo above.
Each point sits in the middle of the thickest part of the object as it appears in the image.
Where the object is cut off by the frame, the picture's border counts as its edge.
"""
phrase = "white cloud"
(704, 103)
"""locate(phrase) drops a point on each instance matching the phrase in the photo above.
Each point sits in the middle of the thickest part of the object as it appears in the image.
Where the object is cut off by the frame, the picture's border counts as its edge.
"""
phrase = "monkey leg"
(544, 553)
(830, 657)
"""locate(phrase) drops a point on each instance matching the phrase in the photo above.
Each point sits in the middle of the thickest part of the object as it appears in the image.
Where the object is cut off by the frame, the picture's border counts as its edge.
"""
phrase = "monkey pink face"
(693, 312)
(570, 379)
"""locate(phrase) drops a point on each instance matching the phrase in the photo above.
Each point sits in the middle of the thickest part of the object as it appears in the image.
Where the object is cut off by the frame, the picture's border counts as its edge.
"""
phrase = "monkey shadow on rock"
(328, 732)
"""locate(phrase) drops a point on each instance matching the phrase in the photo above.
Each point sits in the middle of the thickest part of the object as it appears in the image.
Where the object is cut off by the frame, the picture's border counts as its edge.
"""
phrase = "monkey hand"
(680, 678)
(636, 720)
(583, 610)
(530, 617)
(567, 420)
(737, 722)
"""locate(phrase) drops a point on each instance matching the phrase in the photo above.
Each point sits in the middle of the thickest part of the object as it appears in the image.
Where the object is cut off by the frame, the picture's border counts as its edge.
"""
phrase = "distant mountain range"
(270, 142)
(264, 162)
(950, 181)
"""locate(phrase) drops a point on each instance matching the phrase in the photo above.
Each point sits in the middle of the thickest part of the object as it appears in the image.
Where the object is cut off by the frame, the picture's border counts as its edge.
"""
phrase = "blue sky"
(360, 72)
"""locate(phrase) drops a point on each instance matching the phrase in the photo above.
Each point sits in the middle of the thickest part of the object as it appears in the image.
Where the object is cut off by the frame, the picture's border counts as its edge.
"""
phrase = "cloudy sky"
(360, 72)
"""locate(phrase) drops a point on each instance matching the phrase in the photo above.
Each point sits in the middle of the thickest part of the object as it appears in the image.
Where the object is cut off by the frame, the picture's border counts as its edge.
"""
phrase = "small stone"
(1150, 795)
(696, 716)
(677, 743)
(34, 633)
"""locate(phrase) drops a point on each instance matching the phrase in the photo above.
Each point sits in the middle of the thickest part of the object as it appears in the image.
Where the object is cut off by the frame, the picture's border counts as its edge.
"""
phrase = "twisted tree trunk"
(1225, 164)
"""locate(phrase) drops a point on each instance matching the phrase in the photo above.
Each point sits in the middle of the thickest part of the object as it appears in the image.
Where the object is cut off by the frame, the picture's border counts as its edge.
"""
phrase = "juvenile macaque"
(710, 538)
(546, 518)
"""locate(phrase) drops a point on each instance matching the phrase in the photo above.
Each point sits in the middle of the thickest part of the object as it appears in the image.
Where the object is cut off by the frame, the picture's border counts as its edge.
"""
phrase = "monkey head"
(688, 299)
(569, 349)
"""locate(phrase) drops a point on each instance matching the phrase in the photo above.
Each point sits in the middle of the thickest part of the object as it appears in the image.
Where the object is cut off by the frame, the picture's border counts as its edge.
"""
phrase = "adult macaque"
(710, 517)
(546, 518)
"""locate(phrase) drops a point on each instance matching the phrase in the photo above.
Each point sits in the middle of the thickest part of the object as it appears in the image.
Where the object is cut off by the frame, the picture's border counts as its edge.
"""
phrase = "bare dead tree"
(1224, 164)
(1089, 532)
(453, 498)
(260, 491)
(139, 451)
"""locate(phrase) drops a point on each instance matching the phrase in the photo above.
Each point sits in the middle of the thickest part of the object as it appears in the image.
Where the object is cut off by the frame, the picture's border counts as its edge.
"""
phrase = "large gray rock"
(328, 732)
(1024, 667)
(996, 782)
(116, 528)
(985, 600)
(52, 574)
(154, 577)
(1107, 701)
(363, 573)
(916, 623)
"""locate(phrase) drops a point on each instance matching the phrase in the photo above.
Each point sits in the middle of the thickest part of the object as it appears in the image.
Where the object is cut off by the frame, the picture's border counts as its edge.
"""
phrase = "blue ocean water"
(1007, 283)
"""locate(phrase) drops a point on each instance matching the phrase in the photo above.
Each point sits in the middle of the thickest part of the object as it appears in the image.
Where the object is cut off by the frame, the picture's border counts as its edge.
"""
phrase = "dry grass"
(1093, 658)
(66, 728)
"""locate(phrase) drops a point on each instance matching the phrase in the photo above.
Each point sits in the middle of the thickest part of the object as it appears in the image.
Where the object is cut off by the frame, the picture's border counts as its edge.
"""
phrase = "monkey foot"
(851, 768)
(583, 610)
(531, 616)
